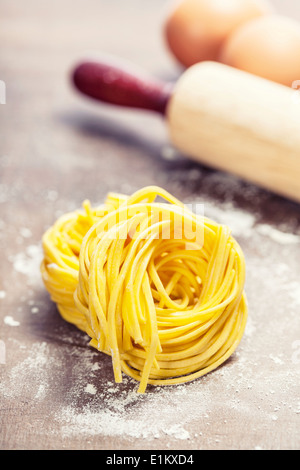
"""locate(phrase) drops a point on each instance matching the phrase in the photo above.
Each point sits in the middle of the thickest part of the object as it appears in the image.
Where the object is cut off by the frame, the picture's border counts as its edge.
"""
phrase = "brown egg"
(195, 30)
(268, 47)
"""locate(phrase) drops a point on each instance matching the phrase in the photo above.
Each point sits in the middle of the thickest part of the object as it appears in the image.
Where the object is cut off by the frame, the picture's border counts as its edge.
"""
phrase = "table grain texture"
(58, 149)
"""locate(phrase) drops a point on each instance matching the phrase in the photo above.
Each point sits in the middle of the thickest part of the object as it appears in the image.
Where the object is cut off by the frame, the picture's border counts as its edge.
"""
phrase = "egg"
(195, 30)
(268, 47)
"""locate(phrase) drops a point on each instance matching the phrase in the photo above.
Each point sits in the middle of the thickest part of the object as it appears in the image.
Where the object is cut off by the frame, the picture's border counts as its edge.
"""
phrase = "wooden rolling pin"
(217, 115)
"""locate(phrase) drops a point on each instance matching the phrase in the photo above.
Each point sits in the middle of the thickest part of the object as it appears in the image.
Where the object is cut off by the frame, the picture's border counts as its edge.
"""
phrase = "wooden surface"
(56, 150)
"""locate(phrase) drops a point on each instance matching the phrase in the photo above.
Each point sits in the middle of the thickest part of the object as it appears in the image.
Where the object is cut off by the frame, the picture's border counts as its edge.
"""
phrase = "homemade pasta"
(157, 287)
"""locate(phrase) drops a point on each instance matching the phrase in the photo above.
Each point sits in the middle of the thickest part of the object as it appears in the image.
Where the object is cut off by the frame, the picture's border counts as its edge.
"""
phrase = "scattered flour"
(243, 224)
(127, 414)
(30, 374)
(41, 392)
(52, 195)
(8, 320)
(169, 153)
(177, 431)
(104, 423)
(276, 359)
(2, 294)
(294, 292)
(240, 222)
(278, 236)
(28, 263)
(90, 389)
(25, 232)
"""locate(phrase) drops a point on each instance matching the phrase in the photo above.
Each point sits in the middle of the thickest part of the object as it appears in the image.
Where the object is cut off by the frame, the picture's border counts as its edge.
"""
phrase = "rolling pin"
(217, 115)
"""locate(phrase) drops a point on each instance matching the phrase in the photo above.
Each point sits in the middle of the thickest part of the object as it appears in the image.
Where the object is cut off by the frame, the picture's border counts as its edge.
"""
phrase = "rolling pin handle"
(119, 85)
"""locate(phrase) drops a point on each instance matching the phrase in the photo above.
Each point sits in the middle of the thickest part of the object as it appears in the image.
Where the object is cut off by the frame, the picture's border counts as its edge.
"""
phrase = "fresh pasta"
(157, 287)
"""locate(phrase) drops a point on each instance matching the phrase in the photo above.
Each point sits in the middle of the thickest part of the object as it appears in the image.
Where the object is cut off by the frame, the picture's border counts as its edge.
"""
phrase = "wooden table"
(58, 149)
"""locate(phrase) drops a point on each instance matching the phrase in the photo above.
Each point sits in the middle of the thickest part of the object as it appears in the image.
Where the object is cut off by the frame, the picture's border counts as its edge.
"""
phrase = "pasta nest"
(157, 287)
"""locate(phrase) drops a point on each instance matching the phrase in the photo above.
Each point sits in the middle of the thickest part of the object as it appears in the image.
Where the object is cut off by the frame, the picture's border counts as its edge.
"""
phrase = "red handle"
(121, 85)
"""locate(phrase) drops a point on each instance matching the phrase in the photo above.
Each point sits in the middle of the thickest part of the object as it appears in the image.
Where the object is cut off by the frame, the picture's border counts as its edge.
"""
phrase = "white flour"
(30, 374)
(116, 424)
(241, 223)
(90, 389)
(25, 232)
(116, 410)
(282, 238)
(294, 292)
(28, 263)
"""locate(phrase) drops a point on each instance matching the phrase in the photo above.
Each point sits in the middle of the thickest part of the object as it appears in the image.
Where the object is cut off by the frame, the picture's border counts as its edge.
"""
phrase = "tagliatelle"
(61, 246)
(155, 286)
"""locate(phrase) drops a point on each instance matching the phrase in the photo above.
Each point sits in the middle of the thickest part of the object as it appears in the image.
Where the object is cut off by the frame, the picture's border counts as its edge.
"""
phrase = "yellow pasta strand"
(155, 286)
